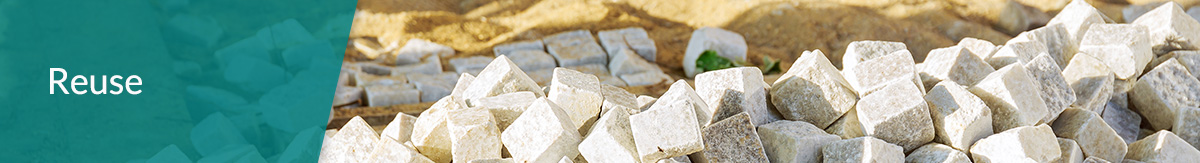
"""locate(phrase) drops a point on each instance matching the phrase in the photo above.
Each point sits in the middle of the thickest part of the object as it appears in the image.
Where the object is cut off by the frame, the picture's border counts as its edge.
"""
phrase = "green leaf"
(770, 65)
(709, 60)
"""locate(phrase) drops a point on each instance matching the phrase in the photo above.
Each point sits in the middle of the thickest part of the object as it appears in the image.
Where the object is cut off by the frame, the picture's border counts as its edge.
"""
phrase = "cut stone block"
(634, 38)
(370, 48)
(510, 48)
(727, 44)
(1091, 80)
(352, 143)
(617, 98)
(430, 65)
(934, 152)
(375, 69)
(847, 126)
(872, 75)
(954, 63)
(959, 117)
(644, 102)
(544, 133)
(493, 160)
(388, 95)
(415, 49)
(1021, 144)
(862, 149)
(500, 77)
(473, 134)
(529, 60)
(367, 80)
(793, 141)
(733, 139)
(1055, 91)
(812, 91)
(601, 72)
(1170, 28)
(1161, 93)
(506, 107)
(645, 78)
(573, 48)
(1162, 146)
(470, 64)
(431, 135)
(626, 62)
(388, 150)
(543, 76)
(611, 140)
(735, 90)
(1124, 121)
(680, 159)
(1019, 49)
(1189, 59)
(1100, 160)
(1070, 151)
(1187, 126)
(460, 86)
(1060, 45)
(1007, 92)
(982, 49)
(670, 128)
(345, 95)
(400, 129)
(1132, 12)
(862, 51)
(578, 93)
(1125, 48)
(1094, 136)
(434, 87)
(681, 95)
(897, 114)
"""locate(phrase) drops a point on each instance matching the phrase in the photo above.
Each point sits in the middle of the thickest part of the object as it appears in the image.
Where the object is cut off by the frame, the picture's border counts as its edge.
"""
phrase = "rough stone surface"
(1124, 121)
(735, 90)
(1189, 59)
(862, 51)
(645, 78)
(415, 49)
(387, 95)
(940, 153)
(611, 140)
(793, 141)
(578, 94)
(954, 63)
(1187, 127)
(959, 117)
(626, 62)
(897, 114)
(862, 149)
(500, 77)
(1162, 146)
(573, 48)
(617, 98)
(388, 150)
(680, 94)
(726, 43)
(493, 160)
(1007, 92)
(544, 133)
(400, 129)
(346, 95)
(982, 49)
(634, 38)
(473, 134)
(680, 159)
(733, 139)
(601, 72)
(1070, 151)
(1160, 93)
(352, 143)
(430, 135)
(470, 65)
(670, 128)
(1094, 136)
(848, 126)
(874, 74)
(529, 60)
(1018, 49)
(506, 107)
(509, 48)
(434, 87)
(1021, 144)
(1125, 48)
(812, 90)
(368, 79)
(1091, 80)
(1055, 91)
(1170, 28)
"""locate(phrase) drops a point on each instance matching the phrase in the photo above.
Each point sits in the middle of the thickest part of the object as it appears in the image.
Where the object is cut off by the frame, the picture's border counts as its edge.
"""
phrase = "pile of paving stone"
(1077, 90)
(414, 74)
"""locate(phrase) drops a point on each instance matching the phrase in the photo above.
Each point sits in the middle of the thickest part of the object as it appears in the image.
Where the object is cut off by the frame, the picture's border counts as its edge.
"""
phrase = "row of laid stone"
(1006, 103)
(414, 73)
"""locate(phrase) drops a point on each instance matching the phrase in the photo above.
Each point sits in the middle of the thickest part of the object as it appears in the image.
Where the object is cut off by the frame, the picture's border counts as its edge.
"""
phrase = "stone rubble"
(793, 141)
(727, 44)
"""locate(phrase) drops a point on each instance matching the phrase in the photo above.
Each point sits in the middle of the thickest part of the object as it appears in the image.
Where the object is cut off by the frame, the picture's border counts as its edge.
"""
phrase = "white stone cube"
(1125, 48)
(1008, 93)
(1070, 151)
(544, 133)
(510, 48)
(500, 77)
(812, 90)
(982, 49)
(1162, 146)
(1091, 80)
(1169, 24)
(473, 134)
(669, 129)
(793, 141)
(529, 60)
(573, 48)
(934, 152)
(578, 93)
(874, 74)
(897, 114)
(1094, 136)
(611, 140)
(352, 143)
(387, 95)
(470, 64)
(634, 38)
(1055, 91)
(954, 63)
(415, 49)
(734, 90)
(1020, 144)
(1162, 92)
(1077, 17)
(1019, 49)
(431, 135)
(506, 107)
(400, 129)
(862, 149)
(727, 44)
(862, 51)
(959, 117)
(733, 139)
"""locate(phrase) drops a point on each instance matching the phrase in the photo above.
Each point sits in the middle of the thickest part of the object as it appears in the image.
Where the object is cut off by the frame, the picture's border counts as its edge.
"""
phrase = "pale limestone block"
(959, 117)
(812, 90)
(1007, 92)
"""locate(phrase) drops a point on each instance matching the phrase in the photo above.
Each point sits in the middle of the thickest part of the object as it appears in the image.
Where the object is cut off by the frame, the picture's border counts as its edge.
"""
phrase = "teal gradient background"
(223, 80)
